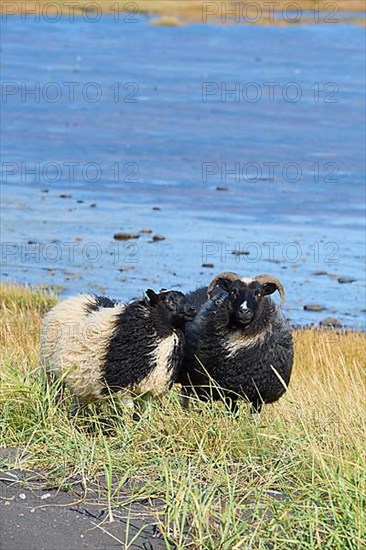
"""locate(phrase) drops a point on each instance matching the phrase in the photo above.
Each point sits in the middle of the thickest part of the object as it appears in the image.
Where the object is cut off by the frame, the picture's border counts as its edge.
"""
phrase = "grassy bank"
(294, 479)
(183, 11)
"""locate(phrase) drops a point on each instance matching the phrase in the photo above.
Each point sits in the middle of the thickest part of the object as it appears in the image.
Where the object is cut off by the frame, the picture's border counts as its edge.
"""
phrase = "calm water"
(131, 117)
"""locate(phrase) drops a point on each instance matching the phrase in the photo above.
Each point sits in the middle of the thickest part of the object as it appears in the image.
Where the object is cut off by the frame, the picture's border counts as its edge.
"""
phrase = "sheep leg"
(128, 401)
(232, 405)
(142, 404)
(184, 398)
(256, 408)
(50, 381)
(76, 407)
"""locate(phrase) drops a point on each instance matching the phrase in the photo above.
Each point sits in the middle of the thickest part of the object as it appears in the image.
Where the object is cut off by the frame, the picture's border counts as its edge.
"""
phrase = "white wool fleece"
(74, 341)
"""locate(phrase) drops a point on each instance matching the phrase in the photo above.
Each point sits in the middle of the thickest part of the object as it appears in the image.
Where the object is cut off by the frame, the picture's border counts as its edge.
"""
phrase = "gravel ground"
(35, 517)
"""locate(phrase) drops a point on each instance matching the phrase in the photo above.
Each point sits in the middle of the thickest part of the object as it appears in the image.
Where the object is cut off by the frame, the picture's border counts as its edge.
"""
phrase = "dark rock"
(320, 272)
(156, 208)
(80, 201)
(331, 322)
(222, 188)
(127, 268)
(63, 196)
(313, 307)
(240, 252)
(11, 454)
(208, 265)
(344, 280)
(44, 190)
(125, 236)
(93, 205)
(158, 238)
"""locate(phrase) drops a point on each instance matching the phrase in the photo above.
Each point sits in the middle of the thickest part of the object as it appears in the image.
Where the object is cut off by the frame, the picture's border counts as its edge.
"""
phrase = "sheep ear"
(153, 297)
(269, 288)
(225, 284)
(223, 280)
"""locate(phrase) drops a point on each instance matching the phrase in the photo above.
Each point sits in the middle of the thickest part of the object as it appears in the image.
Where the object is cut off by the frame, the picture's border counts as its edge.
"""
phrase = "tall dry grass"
(295, 478)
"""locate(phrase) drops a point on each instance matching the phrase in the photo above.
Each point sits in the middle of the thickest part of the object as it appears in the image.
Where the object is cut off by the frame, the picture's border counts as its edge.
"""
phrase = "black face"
(174, 306)
(244, 299)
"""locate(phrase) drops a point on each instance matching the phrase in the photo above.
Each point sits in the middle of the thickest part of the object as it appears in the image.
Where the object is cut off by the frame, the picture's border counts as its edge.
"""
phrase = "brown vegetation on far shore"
(191, 10)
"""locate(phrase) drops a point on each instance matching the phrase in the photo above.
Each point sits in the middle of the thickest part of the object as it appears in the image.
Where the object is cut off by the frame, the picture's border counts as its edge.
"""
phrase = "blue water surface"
(166, 146)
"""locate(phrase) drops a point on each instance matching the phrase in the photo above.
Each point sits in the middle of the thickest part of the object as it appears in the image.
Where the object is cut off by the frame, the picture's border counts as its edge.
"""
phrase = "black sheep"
(239, 340)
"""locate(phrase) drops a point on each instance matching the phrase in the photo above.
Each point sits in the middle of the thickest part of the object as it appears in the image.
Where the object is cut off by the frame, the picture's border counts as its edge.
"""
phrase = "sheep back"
(101, 346)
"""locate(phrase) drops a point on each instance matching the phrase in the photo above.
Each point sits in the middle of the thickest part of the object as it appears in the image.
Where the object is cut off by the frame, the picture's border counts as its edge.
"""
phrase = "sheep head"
(245, 295)
(172, 305)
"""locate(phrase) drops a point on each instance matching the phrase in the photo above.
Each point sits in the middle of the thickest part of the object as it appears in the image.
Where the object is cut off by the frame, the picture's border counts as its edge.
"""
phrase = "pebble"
(125, 236)
(63, 196)
(331, 322)
(22, 496)
(313, 307)
(146, 231)
(344, 280)
(240, 252)
(222, 188)
(208, 265)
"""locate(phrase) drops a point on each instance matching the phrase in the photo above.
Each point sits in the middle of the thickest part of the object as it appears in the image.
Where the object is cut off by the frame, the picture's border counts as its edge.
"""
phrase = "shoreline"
(57, 294)
(173, 13)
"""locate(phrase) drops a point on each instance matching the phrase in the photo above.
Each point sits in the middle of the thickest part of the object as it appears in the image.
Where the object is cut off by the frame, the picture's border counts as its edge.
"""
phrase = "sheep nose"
(244, 306)
(190, 312)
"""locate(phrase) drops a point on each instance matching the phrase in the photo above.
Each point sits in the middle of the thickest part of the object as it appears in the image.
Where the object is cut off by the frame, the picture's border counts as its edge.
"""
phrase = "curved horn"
(230, 275)
(263, 279)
